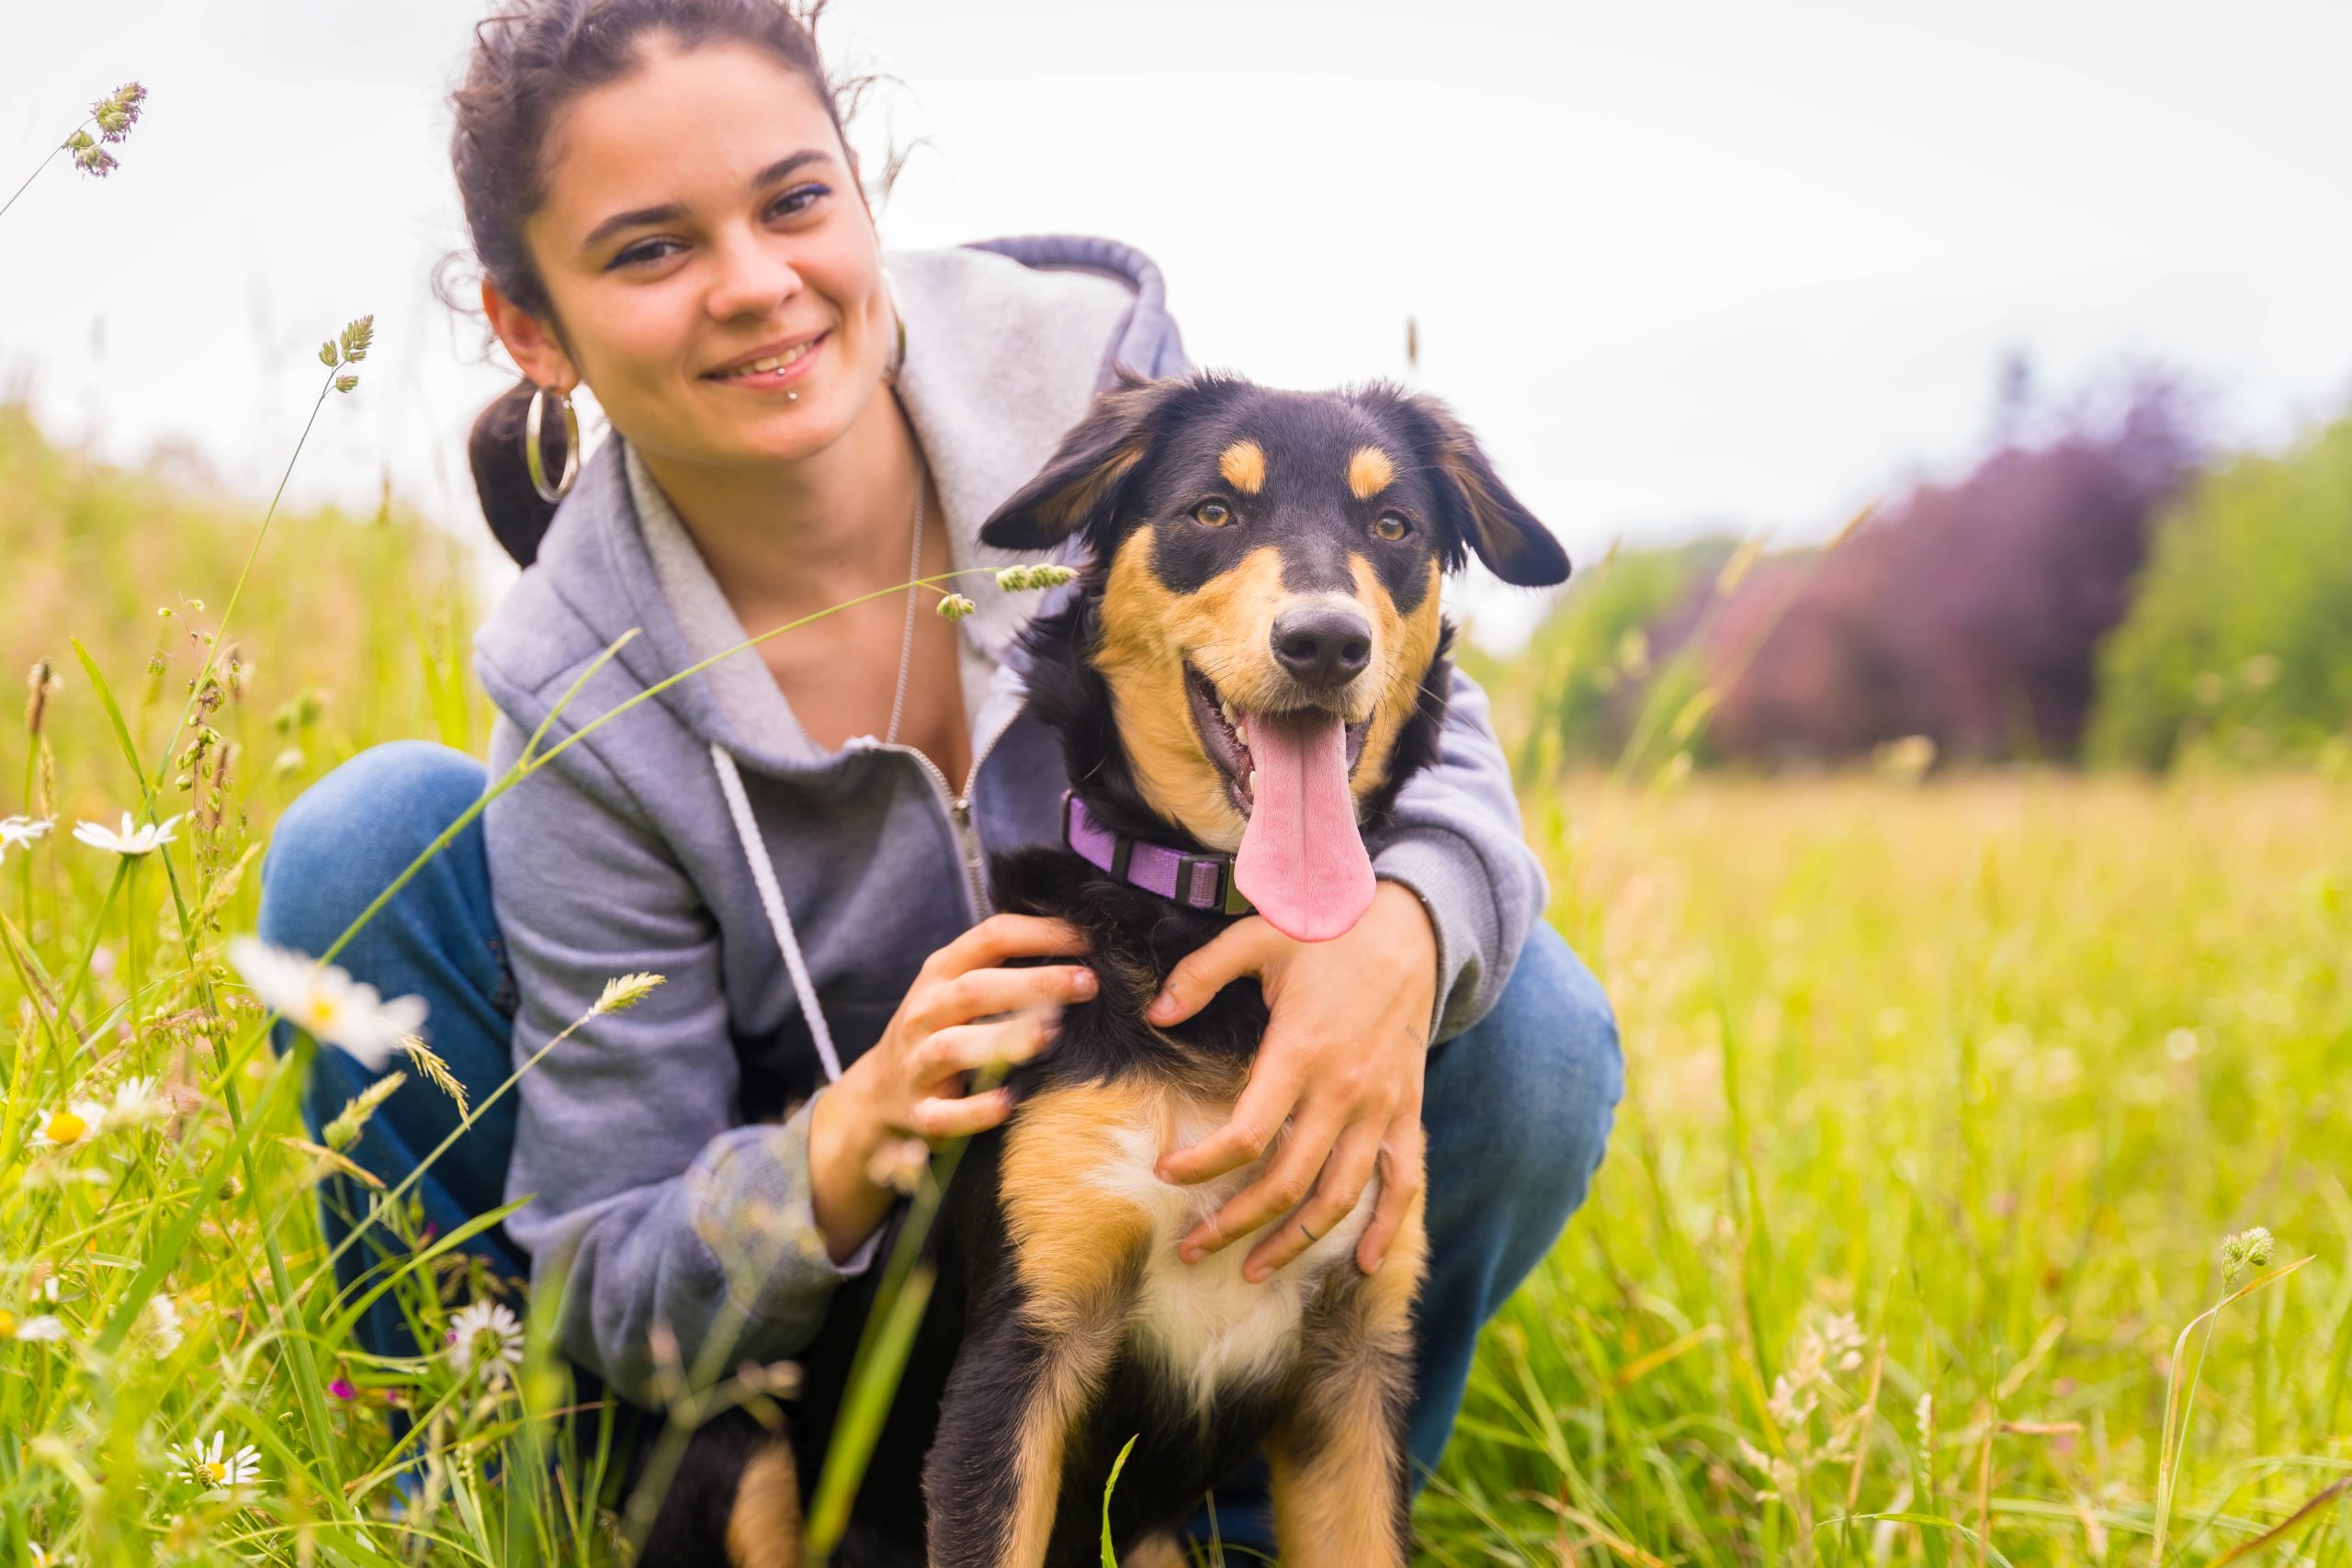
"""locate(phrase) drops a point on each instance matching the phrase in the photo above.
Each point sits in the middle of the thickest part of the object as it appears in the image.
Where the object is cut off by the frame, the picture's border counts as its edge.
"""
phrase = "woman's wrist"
(842, 1138)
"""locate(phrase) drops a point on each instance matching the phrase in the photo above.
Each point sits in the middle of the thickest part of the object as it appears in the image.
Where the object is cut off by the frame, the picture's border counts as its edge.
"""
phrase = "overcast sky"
(1681, 264)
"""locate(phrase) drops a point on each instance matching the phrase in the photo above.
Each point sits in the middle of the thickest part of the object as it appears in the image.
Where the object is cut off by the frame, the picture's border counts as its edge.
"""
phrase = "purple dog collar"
(1195, 881)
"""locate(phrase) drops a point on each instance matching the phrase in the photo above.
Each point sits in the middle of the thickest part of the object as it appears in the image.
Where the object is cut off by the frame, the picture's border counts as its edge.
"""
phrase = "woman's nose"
(754, 274)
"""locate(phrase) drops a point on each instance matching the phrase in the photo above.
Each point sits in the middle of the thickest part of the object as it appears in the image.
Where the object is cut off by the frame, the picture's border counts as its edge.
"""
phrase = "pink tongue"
(1302, 861)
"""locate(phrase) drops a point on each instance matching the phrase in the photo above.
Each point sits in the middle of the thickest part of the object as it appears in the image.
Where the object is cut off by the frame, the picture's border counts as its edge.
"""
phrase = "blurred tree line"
(2098, 588)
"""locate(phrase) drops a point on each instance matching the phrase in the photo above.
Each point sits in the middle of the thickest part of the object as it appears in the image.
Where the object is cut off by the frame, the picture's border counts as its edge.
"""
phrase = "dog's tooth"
(1242, 731)
(1226, 709)
(1250, 784)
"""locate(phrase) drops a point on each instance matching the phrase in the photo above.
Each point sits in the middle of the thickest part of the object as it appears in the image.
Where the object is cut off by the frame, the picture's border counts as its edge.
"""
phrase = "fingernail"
(1084, 983)
(1159, 1005)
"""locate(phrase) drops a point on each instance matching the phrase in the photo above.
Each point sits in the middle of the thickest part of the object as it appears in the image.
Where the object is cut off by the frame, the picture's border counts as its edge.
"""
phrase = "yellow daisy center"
(66, 1128)
(322, 1011)
(7, 1323)
(215, 1472)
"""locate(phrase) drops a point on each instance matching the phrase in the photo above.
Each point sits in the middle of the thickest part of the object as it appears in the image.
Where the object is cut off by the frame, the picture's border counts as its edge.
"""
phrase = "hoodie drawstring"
(755, 850)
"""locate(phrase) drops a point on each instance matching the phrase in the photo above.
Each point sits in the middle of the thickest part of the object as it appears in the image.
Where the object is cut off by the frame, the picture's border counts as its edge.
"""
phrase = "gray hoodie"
(704, 837)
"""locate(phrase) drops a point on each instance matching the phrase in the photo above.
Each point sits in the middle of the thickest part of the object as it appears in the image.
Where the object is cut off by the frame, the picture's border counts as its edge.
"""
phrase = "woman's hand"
(1342, 1060)
(910, 1085)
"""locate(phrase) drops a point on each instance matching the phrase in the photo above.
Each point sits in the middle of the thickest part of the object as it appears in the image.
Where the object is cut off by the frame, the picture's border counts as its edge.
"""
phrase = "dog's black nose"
(1323, 646)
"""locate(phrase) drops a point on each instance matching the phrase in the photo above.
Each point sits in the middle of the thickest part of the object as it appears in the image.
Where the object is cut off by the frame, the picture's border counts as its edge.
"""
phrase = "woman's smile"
(773, 370)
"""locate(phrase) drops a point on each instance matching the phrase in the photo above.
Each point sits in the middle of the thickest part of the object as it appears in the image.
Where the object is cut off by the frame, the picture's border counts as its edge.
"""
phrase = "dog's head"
(1261, 606)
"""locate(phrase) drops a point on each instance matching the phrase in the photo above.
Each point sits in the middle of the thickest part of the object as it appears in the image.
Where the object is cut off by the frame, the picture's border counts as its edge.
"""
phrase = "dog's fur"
(1062, 1322)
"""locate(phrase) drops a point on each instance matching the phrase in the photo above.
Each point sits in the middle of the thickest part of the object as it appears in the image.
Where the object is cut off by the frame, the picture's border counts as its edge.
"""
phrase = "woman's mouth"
(775, 370)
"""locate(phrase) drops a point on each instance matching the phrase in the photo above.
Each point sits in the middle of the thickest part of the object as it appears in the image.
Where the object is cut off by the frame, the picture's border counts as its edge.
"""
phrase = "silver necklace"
(907, 641)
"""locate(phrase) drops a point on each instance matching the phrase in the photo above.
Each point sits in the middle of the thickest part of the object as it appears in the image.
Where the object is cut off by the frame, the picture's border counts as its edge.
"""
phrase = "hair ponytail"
(517, 513)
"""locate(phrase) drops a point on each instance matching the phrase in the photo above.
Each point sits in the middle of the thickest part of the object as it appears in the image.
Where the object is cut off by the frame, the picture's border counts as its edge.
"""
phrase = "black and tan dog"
(1252, 665)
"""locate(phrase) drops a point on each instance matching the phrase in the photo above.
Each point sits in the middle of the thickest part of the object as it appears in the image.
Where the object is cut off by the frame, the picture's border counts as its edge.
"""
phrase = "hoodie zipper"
(959, 814)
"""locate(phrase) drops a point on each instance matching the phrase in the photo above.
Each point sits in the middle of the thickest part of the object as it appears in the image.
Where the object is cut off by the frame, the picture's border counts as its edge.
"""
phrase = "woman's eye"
(1389, 525)
(798, 199)
(642, 252)
(1216, 513)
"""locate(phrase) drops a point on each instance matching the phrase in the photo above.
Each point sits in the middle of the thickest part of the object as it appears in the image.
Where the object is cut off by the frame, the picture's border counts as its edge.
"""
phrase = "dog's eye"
(1214, 514)
(1391, 525)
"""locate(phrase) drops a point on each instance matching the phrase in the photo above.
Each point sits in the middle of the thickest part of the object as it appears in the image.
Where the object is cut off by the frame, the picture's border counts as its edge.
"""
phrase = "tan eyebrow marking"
(1370, 471)
(1243, 463)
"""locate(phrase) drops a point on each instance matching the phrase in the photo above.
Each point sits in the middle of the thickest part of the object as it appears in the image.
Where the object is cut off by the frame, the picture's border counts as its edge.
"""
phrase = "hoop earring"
(531, 459)
(891, 371)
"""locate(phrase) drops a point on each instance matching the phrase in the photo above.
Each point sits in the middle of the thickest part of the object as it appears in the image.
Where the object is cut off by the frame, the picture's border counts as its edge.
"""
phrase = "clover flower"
(132, 840)
(324, 1001)
(485, 1335)
(159, 1322)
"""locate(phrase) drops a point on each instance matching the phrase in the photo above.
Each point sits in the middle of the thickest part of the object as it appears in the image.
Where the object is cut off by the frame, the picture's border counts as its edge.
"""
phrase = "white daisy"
(207, 1467)
(131, 842)
(324, 1001)
(22, 832)
(73, 1123)
(44, 1558)
(31, 1330)
(488, 1335)
(135, 1100)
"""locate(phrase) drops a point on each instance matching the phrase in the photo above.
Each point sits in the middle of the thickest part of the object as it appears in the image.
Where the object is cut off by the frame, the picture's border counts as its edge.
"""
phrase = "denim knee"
(1540, 1087)
(346, 838)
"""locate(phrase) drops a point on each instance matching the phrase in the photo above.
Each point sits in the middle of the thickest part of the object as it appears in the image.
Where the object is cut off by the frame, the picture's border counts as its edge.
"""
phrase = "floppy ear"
(1081, 485)
(1487, 517)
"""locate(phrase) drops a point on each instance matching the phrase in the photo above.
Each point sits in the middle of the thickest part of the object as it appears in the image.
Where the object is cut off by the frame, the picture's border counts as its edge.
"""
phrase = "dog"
(1248, 668)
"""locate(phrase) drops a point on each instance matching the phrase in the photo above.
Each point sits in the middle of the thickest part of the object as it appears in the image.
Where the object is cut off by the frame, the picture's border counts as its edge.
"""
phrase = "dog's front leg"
(1339, 1482)
(1042, 1334)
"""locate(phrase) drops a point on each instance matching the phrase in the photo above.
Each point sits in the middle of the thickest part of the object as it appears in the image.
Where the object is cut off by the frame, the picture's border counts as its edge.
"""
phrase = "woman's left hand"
(1341, 1061)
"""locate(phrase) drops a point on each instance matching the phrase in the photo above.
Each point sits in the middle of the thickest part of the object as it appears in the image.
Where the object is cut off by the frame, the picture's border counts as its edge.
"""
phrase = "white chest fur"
(1203, 1323)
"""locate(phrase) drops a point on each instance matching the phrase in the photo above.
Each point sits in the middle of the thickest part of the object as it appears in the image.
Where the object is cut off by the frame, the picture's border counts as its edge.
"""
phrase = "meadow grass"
(1944, 1093)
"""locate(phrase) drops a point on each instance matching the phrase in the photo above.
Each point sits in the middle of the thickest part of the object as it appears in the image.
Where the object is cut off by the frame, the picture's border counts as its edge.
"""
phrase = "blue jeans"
(1517, 1108)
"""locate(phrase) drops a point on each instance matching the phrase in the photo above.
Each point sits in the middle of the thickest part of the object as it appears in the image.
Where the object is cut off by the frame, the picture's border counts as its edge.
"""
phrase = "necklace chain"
(907, 641)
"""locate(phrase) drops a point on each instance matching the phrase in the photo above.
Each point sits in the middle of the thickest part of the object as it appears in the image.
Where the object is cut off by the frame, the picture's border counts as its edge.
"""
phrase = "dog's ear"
(1081, 485)
(1480, 507)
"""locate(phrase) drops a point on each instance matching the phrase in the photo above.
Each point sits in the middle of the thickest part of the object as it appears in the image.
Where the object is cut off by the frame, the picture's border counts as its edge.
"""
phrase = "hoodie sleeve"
(650, 1204)
(1457, 843)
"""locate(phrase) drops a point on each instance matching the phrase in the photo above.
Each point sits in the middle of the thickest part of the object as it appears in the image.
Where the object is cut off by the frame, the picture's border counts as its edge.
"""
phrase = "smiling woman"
(666, 212)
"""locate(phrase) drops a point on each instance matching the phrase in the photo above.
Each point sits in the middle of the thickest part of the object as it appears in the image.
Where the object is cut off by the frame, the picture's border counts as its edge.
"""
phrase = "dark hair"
(527, 63)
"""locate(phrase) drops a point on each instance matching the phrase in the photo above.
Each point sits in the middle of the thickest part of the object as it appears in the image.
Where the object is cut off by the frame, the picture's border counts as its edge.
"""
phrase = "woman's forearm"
(846, 1202)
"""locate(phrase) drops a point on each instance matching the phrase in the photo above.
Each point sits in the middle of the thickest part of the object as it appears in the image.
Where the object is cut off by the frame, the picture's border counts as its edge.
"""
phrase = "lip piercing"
(791, 397)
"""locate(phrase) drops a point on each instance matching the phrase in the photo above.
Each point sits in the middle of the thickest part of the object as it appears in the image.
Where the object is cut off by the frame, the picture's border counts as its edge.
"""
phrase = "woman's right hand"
(910, 1084)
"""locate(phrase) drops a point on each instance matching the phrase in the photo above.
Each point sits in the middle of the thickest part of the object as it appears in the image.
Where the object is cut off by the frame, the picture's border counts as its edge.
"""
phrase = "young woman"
(666, 211)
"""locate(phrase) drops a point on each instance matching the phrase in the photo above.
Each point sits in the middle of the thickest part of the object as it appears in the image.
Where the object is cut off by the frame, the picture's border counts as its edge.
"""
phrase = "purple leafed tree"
(1969, 611)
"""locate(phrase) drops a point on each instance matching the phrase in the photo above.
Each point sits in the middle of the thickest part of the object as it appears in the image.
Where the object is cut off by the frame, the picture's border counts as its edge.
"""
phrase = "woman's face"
(701, 214)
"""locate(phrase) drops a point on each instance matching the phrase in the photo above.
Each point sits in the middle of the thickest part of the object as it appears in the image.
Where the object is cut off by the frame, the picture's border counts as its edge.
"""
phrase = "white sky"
(1743, 262)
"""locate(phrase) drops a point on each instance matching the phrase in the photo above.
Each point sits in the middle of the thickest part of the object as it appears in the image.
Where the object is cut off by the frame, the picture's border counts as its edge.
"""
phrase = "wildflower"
(132, 842)
(31, 1330)
(135, 1101)
(1041, 575)
(624, 991)
(44, 1558)
(2243, 1250)
(485, 1335)
(341, 1388)
(22, 832)
(325, 1003)
(159, 1320)
(76, 1121)
(208, 1467)
(954, 607)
